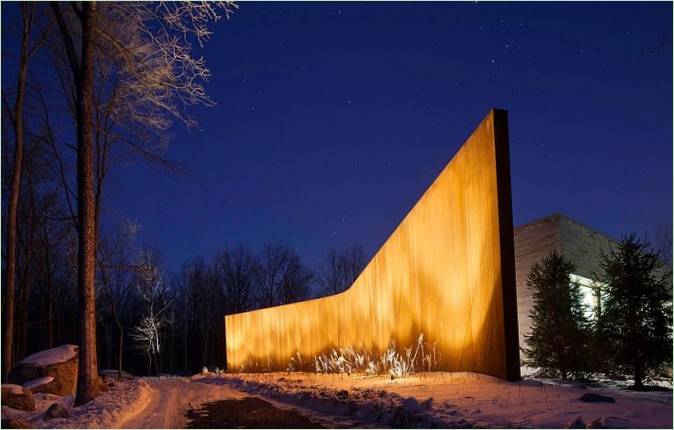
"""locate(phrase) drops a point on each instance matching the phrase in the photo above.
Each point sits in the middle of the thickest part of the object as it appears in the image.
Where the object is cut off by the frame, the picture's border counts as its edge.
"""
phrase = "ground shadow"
(248, 412)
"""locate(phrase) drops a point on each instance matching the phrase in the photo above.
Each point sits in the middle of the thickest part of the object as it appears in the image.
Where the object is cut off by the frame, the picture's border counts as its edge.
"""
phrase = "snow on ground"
(112, 408)
(113, 374)
(171, 397)
(603, 380)
(55, 355)
(42, 402)
(453, 400)
(438, 399)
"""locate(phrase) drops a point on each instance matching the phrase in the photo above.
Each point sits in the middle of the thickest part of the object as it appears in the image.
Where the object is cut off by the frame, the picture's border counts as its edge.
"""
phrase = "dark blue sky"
(333, 118)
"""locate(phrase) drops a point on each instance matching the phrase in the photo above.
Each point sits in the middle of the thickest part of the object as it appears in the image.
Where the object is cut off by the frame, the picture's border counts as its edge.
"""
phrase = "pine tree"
(559, 337)
(635, 324)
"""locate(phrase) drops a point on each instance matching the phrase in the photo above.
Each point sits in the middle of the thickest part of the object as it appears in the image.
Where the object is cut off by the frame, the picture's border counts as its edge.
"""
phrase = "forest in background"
(89, 88)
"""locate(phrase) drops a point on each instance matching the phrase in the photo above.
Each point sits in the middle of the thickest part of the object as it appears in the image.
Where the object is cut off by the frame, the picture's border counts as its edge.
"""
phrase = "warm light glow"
(439, 273)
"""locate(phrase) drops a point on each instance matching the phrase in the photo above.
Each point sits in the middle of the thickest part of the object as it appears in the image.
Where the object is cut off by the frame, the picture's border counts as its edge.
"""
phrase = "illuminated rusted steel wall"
(446, 271)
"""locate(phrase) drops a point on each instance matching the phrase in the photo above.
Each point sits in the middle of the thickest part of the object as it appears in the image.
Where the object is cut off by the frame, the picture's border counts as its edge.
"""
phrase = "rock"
(610, 423)
(17, 397)
(15, 423)
(40, 385)
(56, 410)
(47, 396)
(59, 363)
(578, 423)
(596, 398)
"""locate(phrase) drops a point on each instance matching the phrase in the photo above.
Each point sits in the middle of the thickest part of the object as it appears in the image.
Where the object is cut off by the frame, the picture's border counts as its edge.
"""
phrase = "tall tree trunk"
(173, 338)
(638, 374)
(14, 191)
(121, 346)
(87, 380)
(50, 313)
(49, 281)
(87, 384)
(21, 342)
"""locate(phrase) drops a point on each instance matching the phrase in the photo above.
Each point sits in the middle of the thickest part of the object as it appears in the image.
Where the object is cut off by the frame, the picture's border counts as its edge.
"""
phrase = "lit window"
(590, 291)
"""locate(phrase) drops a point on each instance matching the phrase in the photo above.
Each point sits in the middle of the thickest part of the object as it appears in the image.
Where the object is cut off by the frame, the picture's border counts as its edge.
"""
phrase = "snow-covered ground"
(171, 397)
(136, 403)
(110, 409)
(439, 399)
(452, 400)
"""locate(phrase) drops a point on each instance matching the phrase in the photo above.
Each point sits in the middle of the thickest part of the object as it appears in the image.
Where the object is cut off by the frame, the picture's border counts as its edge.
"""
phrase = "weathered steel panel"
(447, 271)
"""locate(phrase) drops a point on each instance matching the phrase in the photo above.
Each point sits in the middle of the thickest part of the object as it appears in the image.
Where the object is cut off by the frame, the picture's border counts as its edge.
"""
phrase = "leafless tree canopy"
(157, 77)
(663, 242)
(340, 269)
(156, 298)
(283, 279)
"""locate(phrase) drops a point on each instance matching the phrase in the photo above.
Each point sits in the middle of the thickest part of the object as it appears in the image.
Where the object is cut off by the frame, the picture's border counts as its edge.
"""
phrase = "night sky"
(333, 118)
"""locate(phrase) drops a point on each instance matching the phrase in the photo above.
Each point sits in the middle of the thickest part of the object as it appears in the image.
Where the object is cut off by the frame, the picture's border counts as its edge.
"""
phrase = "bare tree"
(295, 281)
(283, 278)
(148, 46)
(115, 268)
(155, 296)
(340, 269)
(238, 272)
(25, 53)
(663, 242)
(202, 304)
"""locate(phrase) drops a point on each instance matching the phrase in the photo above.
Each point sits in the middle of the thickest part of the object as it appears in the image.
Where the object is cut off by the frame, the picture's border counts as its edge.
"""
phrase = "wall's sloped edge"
(447, 271)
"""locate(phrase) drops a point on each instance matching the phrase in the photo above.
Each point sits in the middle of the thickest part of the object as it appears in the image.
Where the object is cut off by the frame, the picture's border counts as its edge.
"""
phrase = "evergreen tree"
(558, 341)
(635, 323)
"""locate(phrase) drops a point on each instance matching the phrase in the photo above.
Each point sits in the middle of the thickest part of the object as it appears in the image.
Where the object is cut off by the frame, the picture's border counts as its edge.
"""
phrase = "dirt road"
(177, 402)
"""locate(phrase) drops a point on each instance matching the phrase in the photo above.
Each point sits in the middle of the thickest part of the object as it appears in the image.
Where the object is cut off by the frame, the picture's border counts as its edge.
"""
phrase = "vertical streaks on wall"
(446, 271)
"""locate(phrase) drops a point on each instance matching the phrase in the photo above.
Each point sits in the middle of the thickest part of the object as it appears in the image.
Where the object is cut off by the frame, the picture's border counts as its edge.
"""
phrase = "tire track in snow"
(171, 397)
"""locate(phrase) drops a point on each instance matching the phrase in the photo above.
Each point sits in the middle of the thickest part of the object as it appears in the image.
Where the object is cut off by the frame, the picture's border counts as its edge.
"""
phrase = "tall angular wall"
(447, 271)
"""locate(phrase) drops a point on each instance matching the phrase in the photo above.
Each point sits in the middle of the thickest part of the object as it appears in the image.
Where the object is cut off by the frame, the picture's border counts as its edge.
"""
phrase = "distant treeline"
(151, 321)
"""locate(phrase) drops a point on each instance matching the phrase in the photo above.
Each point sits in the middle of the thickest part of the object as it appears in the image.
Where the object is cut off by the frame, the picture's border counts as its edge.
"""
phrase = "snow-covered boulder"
(59, 363)
(17, 397)
(41, 385)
